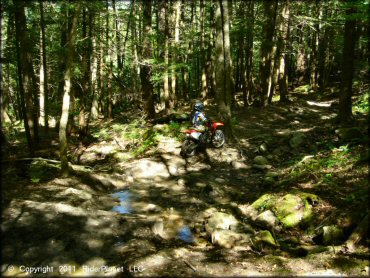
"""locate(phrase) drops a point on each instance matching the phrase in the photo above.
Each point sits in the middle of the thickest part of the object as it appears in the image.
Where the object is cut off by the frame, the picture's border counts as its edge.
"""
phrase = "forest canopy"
(116, 53)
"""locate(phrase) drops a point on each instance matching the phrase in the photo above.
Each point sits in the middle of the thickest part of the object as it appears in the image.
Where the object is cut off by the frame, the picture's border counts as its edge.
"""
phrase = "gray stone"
(221, 220)
(261, 167)
(228, 239)
(249, 211)
(238, 165)
(267, 219)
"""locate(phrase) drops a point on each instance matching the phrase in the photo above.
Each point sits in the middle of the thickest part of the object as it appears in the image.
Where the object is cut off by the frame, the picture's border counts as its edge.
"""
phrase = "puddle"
(186, 235)
(125, 202)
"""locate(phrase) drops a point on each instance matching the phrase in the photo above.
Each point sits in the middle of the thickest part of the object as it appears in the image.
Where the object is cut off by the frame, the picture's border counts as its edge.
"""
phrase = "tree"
(146, 54)
(67, 88)
(268, 29)
(26, 76)
(44, 88)
(223, 65)
(345, 101)
(283, 38)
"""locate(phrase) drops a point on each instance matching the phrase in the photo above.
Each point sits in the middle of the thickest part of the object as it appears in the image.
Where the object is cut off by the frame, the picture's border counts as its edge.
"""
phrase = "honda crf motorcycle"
(196, 139)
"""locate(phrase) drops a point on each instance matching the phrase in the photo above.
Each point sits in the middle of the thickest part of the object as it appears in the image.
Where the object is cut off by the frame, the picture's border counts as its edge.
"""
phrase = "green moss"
(41, 171)
(264, 202)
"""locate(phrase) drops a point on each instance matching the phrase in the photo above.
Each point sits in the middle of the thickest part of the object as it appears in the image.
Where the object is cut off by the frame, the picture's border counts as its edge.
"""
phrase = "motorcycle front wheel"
(218, 139)
(188, 148)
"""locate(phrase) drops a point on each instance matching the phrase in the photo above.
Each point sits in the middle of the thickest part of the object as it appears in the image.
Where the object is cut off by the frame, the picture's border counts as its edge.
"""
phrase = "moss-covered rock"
(41, 171)
(263, 239)
(290, 210)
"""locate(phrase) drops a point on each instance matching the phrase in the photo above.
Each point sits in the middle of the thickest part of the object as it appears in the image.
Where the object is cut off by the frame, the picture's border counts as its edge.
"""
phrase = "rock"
(292, 210)
(261, 167)
(263, 148)
(267, 219)
(332, 234)
(260, 160)
(227, 238)
(280, 151)
(238, 165)
(220, 180)
(181, 182)
(75, 194)
(349, 133)
(269, 180)
(297, 140)
(249, 212)
(284, 133)
(272, 174)
(264, 238)
(221, 220)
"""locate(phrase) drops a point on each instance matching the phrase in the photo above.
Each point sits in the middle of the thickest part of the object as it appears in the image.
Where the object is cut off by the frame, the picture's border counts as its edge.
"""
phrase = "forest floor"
(137, 207)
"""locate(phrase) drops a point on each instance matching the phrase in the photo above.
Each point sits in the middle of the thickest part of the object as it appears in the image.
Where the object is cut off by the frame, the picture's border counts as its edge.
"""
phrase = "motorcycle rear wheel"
(188, 148)
(218, 139)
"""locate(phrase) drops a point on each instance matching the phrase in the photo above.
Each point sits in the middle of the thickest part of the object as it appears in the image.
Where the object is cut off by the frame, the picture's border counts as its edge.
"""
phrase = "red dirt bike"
(199, 138)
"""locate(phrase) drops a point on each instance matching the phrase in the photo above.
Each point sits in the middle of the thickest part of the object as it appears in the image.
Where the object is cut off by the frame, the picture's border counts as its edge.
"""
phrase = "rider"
(199, 119)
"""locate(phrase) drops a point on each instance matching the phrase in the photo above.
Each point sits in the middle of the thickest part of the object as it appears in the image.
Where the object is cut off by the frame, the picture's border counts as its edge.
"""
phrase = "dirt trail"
(139, 218)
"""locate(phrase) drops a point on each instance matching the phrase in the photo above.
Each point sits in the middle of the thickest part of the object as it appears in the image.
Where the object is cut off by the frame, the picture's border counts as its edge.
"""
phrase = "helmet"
(199, 107)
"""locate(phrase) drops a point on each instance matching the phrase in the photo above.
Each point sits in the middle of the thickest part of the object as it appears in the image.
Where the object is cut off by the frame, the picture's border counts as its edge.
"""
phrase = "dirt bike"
(199, 138)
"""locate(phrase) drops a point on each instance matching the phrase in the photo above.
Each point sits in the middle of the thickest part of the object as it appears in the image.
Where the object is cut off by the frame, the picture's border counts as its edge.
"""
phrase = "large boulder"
(289, 210)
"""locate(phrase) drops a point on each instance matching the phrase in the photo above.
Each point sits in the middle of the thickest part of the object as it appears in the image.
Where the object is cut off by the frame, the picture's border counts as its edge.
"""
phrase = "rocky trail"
(251, 208)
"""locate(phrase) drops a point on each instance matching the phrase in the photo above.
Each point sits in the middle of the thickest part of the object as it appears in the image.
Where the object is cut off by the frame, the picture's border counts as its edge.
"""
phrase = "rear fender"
(215, 125)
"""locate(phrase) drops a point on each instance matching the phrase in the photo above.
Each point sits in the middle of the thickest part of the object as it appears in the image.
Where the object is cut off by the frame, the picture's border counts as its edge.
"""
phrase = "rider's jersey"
(198, 119)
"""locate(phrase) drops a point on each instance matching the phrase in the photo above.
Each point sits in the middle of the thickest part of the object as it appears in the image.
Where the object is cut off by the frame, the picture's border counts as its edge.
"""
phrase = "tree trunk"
(109, 66)
(67, 87)
(26, 76)
(118, 37)
(267, 49)
(44, 88)
(248, 91)
(94, 111)
(223, 68)
(345, 102)
(135, 67)
(204, 91)
(283, 38)
(146, 85)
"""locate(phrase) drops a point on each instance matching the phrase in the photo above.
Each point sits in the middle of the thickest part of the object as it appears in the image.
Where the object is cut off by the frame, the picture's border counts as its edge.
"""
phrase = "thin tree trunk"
(66, 97)
(284, 37)
(135, 67)
(204, 91)
(118, 37)
(267, 49)
(345, 101)
(44, 88)
(146, 85)
(248, 91)
(94, 112)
